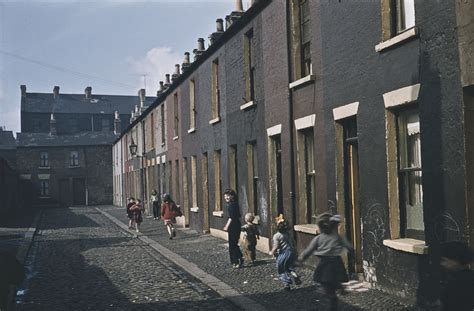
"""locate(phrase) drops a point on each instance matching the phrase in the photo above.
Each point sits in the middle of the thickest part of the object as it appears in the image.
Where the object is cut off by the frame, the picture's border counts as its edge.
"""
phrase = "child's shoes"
(296, 278)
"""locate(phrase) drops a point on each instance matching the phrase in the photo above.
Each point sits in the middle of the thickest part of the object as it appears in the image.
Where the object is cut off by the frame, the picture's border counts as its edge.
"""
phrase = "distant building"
(64, 152)
(8, 175)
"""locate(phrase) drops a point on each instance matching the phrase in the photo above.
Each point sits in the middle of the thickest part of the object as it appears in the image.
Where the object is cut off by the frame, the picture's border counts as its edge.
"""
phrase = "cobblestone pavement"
(80, 260)
(13, 228)
(258, 282)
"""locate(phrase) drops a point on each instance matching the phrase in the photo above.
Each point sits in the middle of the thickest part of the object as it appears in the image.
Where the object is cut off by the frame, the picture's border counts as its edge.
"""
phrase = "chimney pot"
(117, 123)
(52, 126)
(162, 86)
(88, 92)
(167, 79)
(238, 6)
(56, 92)
(220, 25)
(176, 69)
(186, 63)
(201, 44)
(23, 90)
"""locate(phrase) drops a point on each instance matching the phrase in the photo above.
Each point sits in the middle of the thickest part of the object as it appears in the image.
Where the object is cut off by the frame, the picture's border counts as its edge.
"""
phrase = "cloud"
(155, 64)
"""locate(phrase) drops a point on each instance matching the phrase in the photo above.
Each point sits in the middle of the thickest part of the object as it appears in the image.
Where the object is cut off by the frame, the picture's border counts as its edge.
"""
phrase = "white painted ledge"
(274, 130)
(345, 111)
(218, 213)
(216, 120)
(302, 81)
(307, 228)
(191, 130)
(408, 245)
(402, 96)
(248, 105)
(194, 209)
(404, 36)
(176, 138)
(305, 122)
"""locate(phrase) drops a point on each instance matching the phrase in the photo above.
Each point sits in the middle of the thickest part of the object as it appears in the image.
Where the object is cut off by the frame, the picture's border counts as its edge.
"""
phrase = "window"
(275, 174)
(192, 104)
(194, 181)
(409, 173)
(310, 173)
(217, 180)
(177, 192)
(215, 90)
(403, 15)
(249, 63)
(305, 37)
(252, 161)
(74, 158)
(44, 161)
(105, 125)
(176, 115)
(44, 188)
(163, 126)
(152, 130)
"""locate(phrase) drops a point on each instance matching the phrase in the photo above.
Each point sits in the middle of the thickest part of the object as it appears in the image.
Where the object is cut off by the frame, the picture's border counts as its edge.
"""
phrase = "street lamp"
(133, 148)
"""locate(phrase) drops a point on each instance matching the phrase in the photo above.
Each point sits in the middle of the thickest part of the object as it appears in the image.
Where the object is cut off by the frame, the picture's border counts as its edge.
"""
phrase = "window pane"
(408, 11)
(414, 201)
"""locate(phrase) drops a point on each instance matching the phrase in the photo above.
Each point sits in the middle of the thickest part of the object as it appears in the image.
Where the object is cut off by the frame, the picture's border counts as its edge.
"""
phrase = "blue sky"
(108, 45)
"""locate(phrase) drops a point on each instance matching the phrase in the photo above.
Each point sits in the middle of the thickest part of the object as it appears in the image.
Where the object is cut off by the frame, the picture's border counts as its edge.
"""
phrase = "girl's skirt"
(330, 271)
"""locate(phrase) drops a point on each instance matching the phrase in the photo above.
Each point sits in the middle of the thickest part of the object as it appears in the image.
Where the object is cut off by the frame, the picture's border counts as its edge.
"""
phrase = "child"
(251, 235)
(458, 285)
(137, 214)
(169, 211)
(328, 246)
(131, 202)
(283, 244)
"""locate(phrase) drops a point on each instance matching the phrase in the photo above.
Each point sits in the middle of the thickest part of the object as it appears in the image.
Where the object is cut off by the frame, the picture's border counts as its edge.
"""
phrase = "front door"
(64, 193)
(79, 191)
(351, 183)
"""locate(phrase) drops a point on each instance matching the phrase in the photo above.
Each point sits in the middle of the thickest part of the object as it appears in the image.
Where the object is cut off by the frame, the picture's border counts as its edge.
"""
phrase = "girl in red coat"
(169, 211)
(136, 211)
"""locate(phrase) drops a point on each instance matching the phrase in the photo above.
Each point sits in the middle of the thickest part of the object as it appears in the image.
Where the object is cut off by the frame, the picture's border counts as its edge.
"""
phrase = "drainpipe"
(290, 114)
(143, 167)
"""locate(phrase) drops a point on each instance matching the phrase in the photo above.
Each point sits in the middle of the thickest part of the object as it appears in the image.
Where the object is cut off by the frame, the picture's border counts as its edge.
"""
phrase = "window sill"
(248, 105)
(307, 228)
(44, 167)
(218, 213)
(176, 138)
(408, 245)
(216, 120)
(163, 144)
(191, 130)
(398, 39)
(302, 81)
(194, 209)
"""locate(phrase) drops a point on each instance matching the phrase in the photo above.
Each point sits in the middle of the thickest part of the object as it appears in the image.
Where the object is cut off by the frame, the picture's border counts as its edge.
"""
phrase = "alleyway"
(86, 259)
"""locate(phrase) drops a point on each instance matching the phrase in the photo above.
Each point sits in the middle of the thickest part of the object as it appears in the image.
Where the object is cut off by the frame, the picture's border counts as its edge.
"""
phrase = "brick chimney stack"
(56, 92)
(219, 31)
(234, 15)
(52, 126)
(88, 92)
(23, 90)
(117, 123)
(200, 49)
(161, 89)
(167, 80)
(186, 63)
(142, 95)
(176, 73)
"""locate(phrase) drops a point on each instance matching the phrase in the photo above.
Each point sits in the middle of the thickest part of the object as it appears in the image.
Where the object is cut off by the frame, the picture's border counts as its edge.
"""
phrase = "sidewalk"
(251, 287)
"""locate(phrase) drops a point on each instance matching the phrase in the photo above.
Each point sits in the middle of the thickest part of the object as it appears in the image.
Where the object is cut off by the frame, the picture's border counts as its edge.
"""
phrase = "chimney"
(186, 63)
(132, 116)
(161, 89)
(142, 94)
(88, 92)
(167, 80)
(219, 31)
(117, 123)
(176, 73)
(200, 49)
(52, 126)
(234, 15)
(23, 90)
(56, 92)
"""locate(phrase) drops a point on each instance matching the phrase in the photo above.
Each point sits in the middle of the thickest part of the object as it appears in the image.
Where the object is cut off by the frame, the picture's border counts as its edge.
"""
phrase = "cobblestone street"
(81, 261)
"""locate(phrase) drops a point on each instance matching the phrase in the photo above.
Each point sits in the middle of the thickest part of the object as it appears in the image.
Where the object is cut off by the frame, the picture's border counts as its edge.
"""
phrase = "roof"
(77, 103)
(7, 141)
(79, 139)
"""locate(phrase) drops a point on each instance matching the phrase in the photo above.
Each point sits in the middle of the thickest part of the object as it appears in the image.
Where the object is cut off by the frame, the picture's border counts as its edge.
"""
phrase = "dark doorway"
(79, 191)
(351, 184)
(64, 193)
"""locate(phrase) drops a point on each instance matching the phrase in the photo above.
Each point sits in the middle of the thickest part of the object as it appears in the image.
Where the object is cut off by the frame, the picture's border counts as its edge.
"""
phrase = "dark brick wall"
(94, 168)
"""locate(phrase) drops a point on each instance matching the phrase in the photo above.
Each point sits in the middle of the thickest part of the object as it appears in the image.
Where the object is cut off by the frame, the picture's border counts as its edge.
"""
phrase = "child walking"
(137, 218)
(131, 202)
(328, 246)
(251, 235)
(169, 211)
(283, 246)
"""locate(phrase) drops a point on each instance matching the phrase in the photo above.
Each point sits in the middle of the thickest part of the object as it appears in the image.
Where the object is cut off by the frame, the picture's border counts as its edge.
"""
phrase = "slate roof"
(77, 103)
(7, 141)
(79, 139)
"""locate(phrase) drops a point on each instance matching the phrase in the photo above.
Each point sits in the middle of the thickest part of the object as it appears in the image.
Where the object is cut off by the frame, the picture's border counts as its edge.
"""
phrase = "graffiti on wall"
(446, 228)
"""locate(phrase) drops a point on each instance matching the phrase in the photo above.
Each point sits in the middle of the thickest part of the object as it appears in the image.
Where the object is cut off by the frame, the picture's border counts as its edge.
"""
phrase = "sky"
(108, 45)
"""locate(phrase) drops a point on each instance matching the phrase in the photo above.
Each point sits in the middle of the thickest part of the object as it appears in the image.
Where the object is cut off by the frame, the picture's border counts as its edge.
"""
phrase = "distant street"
(81, 261)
